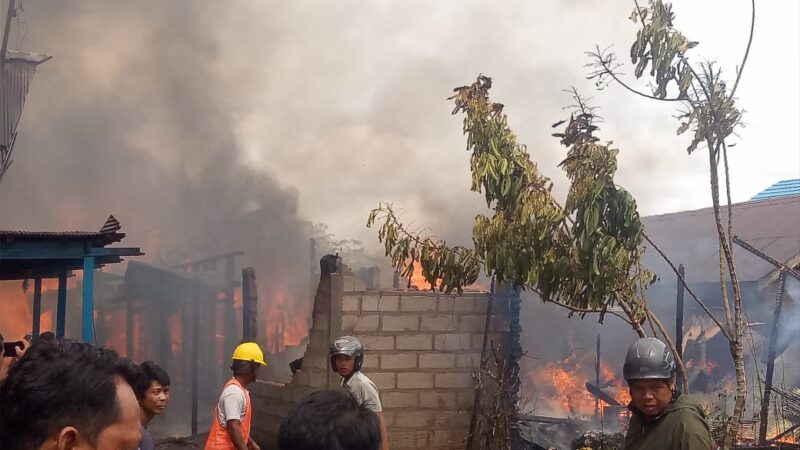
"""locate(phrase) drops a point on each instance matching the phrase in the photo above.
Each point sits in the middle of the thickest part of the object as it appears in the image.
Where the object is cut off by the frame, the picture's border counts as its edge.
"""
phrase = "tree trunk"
(736, 346)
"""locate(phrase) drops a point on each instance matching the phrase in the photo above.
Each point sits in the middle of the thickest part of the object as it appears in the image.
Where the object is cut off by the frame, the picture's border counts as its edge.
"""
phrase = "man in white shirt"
(233, 415)
(347, 357)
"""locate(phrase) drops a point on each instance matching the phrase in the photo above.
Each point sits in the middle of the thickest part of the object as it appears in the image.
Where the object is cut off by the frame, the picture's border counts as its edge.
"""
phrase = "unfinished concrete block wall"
(421, 351)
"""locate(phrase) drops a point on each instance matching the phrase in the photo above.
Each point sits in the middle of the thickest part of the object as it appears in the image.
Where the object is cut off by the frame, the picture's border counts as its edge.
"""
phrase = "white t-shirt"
(232, 404)
(364, 391)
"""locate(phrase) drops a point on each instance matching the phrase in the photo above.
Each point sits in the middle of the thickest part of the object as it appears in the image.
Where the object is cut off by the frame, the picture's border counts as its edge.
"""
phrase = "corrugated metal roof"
(780, 189)
(690, 238)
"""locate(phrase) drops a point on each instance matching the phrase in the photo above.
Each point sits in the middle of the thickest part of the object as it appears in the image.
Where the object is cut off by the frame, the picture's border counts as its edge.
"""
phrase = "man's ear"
(68, 438)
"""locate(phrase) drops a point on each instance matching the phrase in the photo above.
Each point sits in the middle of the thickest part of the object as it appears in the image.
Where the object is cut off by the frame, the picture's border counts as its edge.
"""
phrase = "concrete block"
(454, 380)
(377, 342)
(468, 360)
(438, 323)
(348, 283)
(454, 420)
(480, 304)
(358, 285)
(399, 361)
(349, 324)
(472, 323)
(367, 322)
(299, 392)
(444, 438)
(352, 324)
(371, 362)
(414, 304)
(415, 342)
(437, 361)
(383, 380)
(400, 323)
(316, 360)
(438, 400)
(317, 378)
(452, 342)
(402, 439)
(400, 399)
(477, 341)
(415, 380)
(414, 419)
(464, 305)
(465, 400)
(350, 303)
(446, 304)
(385, 303)
(321, 322)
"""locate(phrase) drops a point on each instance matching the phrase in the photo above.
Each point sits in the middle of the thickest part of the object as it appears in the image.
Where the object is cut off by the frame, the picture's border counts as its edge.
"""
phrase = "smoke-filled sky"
(174, 115)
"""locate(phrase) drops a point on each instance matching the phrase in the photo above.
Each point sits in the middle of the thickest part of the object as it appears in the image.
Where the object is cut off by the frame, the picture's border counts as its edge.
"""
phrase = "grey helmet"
(648, 358)
(350, 346)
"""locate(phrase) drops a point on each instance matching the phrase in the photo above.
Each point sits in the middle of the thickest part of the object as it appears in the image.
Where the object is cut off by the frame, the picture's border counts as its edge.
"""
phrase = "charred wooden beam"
(762, 430)
(249, 304)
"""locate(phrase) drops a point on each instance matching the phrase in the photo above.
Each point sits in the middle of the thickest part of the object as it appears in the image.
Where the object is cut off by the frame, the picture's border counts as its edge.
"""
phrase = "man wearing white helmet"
(663, 419)
(347, 357)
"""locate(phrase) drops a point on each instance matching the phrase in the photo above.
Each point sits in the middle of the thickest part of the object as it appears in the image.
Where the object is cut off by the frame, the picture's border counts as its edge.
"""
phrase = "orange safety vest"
(218, 437)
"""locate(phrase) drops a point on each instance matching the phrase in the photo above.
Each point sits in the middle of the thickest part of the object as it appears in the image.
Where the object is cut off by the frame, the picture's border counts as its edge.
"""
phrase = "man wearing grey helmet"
(663, 419)
(347, 357)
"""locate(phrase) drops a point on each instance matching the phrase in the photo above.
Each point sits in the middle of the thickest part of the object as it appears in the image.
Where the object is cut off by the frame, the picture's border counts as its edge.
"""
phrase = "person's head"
(69, 396)
(650, 372)
(347, 355)
(152, 390)
(346, 424)
(247, 359)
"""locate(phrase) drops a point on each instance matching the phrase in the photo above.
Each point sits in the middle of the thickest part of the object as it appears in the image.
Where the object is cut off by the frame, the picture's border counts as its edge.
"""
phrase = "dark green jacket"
(682, 426)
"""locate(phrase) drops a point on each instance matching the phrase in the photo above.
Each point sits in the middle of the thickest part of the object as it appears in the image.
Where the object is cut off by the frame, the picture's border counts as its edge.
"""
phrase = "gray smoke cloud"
(179, 116)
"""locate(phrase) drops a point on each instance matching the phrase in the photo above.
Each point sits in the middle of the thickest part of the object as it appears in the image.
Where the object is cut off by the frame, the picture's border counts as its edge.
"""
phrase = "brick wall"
(421, 351)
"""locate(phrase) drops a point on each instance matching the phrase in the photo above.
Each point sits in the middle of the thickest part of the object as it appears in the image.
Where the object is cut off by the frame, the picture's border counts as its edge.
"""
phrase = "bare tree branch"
(747, 50)
(688, 289)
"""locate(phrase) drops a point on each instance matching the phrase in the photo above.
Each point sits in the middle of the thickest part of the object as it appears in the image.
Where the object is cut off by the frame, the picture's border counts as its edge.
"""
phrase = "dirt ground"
(188, 443)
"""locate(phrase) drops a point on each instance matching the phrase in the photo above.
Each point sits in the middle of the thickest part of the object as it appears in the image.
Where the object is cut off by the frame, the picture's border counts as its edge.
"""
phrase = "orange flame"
(561, 386)
(286, 322)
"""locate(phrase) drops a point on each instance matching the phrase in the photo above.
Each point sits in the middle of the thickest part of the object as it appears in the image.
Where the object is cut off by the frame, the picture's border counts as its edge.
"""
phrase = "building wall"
(422, 350)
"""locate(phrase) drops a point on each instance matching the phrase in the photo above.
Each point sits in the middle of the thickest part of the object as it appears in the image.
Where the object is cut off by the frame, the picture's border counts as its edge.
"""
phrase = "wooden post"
(195, 354)
(679, 322)
(229, 312)
(129, 327)
(164, 345)
(6, 32)
(472, 440)
(597, 381)
(87, 308)
(61, 306)
(37, 307)
(249, 304)
(762, 430)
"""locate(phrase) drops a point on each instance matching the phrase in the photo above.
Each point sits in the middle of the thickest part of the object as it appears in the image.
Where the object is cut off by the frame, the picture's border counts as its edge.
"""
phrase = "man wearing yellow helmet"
(230, 429)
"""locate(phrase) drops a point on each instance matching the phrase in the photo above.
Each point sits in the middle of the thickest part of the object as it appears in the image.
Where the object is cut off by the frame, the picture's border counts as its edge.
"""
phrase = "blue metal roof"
(780, 189)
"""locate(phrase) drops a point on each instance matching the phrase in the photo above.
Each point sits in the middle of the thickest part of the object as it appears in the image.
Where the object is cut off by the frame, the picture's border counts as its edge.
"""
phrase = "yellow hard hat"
(249, 351)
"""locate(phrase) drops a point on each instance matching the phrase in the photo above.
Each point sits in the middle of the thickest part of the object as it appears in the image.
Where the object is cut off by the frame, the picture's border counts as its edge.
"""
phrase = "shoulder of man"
(690, 424)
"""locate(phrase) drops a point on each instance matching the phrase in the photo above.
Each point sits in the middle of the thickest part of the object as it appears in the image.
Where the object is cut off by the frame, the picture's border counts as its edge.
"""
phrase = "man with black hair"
(69, 396)
(346, 358)
(152, 391)
(230, 428)
(330, 420)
